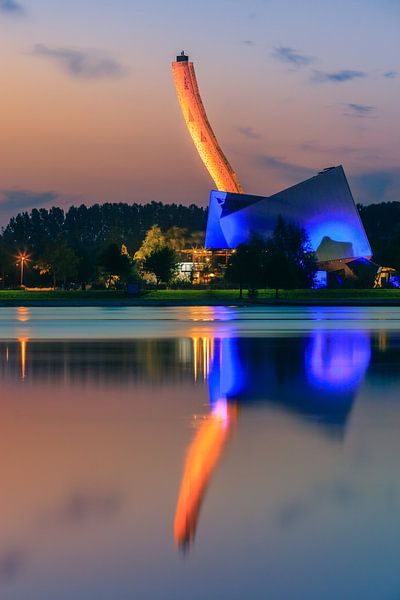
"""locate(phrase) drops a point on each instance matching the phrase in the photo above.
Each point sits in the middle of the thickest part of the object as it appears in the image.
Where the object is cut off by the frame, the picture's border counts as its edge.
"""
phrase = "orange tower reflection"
(201, 460)
(23, 343)
(204, 451)
(199, 127)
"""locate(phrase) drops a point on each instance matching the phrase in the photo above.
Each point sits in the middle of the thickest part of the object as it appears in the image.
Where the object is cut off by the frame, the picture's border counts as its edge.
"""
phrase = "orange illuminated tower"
(199, 127)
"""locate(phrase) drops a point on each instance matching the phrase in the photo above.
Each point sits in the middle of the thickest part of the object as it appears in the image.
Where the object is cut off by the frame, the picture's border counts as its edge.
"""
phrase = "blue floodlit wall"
(322, 205)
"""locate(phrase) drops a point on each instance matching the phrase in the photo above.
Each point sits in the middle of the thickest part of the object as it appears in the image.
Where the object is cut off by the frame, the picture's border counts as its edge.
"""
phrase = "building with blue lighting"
(323, 205)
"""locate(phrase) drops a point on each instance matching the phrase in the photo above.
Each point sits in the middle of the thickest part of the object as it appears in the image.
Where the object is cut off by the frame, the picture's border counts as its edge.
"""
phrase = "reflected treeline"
(318, 373)
(114, 363)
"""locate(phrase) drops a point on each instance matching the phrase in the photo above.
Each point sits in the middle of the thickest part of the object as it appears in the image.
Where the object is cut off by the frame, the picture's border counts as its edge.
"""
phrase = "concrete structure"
(199, 127)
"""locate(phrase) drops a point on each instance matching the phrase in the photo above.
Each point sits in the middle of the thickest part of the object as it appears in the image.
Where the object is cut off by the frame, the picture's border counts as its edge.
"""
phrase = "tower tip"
(182, 57)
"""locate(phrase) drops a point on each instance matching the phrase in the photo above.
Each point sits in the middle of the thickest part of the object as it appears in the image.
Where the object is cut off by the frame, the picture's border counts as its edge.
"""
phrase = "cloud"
(317, 148)
(11, 7)
(82, 506)
(376, 186)
(16, 200)
(12, 562)
(287, 169)
(340, 494)
(248, 132)
(391, 74)
(81, 64)
(291, 513)
(337, 76)
(291, 56)
(360, 111)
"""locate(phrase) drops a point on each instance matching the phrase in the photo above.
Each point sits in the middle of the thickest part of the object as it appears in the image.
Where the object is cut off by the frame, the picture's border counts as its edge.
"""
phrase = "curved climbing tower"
(199, 127)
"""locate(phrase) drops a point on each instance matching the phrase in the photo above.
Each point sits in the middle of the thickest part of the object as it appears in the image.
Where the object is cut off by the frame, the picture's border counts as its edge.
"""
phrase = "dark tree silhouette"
(113, 262)
(289, 262)
(6, 262)
(60, 261)
(283, 261)
(245, 265)
(162, 264)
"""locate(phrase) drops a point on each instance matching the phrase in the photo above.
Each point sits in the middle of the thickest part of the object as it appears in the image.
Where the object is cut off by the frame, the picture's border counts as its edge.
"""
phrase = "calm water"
(199, 453)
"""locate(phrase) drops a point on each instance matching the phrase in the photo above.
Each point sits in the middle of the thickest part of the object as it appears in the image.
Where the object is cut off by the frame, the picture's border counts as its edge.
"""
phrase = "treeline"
(79, 245)
(382, 224)
(82, 235)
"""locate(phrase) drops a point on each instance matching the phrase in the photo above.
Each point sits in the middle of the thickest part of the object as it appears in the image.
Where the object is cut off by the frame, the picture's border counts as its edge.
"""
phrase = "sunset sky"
(88, 109)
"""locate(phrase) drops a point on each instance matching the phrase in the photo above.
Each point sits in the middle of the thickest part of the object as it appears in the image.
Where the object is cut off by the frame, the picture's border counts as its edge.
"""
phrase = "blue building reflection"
(316, 376)
(337, 361)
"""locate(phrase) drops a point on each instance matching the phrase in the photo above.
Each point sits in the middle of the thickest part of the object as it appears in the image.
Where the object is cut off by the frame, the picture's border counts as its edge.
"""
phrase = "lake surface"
(202, 453)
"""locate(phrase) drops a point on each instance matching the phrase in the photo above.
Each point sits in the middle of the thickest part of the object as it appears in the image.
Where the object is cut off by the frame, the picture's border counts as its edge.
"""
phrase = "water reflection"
(201, 460)
(337, 360)
(103, 475)
(23, 342)
(316, 377)
(23, 313)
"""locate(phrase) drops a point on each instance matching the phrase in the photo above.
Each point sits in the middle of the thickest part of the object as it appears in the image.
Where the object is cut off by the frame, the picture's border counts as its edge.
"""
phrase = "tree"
(5, 262)
(389, 252)
(278, 271)
(154, 240)
(177, 237)
(162, 264)
(88, 230)
(113, 262)
(289, 261)
(60, 261)
(245, 265)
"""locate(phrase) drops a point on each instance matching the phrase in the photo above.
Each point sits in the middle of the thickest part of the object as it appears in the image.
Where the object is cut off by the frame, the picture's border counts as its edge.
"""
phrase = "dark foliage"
(88, 230)
(245, 267)
(112, 262)
(382, 225)
(283, 261)
(289, 262)
(161, 263)
(60, 261)
(95, 226)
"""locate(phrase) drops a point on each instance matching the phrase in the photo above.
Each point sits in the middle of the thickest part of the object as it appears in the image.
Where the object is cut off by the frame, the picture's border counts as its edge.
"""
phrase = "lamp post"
(22, 259)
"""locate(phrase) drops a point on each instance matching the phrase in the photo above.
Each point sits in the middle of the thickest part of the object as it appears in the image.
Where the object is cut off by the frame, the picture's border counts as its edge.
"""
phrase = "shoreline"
(131, 302)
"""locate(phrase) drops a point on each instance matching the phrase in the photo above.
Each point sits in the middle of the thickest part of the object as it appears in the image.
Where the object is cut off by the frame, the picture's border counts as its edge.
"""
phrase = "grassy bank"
(270, 294)
(21, 295)
(195, 296)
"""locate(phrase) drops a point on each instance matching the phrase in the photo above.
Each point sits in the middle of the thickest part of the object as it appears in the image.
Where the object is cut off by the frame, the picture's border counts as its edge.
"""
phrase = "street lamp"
(22, 260)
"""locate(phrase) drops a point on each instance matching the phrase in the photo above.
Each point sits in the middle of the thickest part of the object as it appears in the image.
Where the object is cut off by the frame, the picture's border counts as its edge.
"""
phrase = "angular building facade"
(323, 205)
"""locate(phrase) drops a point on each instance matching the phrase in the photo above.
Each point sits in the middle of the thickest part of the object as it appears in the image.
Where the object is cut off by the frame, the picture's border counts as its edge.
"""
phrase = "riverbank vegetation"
(105, 247)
